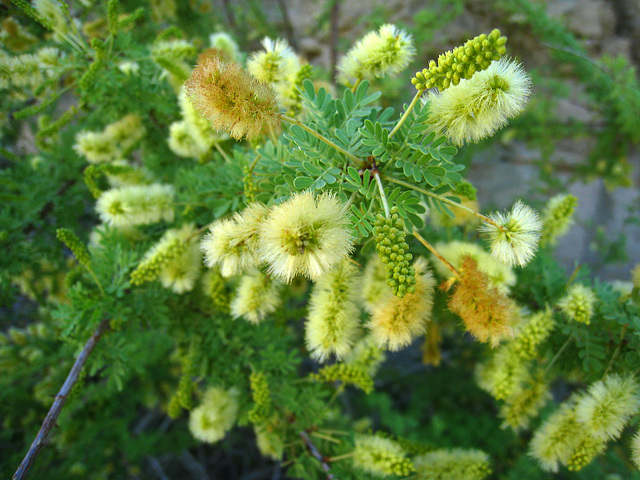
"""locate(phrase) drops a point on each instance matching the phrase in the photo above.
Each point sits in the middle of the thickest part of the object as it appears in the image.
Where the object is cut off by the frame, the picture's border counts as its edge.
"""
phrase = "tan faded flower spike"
(231, 99)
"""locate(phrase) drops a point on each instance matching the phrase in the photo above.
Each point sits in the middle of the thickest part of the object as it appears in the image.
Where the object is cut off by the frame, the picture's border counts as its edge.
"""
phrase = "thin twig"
(431, 248)
(316, 453)
(322, 138)
(616, 352)
(407, 112)
(444, 199)
(376, 175)
(60, 400)
(557, 355)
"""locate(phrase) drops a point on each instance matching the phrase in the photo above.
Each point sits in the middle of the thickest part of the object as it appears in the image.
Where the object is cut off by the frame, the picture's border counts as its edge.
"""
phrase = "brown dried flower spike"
(487, 313)
(231, 99)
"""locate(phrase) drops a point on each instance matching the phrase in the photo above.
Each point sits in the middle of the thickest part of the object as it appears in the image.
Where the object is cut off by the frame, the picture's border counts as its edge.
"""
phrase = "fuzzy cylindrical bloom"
(478, 107)
(136, 205)
(181, 272)
(217, 413)
(270, 441)
(333, 321)
(557, 217)
(453, 464)
(486, 312)
(306, 235)
(578, 304)
(503, 374)
(381, 456)
(126, 132)
(256, 297)
(525, 403)
(396, 321)
(500, 275)
(225, 46)
(532, 332)
(608, 406)
(374, 286)
(96, 147)
(635, 450)
(276, 63)
(233, 243)
(557, 438)
(231, 99)
(516, 243)
(387, 51)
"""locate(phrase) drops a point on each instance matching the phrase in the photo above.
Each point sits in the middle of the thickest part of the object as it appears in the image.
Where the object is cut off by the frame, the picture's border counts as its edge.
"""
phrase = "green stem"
(340, 457)
(482, 217)
(557, 355)
(95, 279)
(407, 112)
(322, 139)
(354, 87)
(431, 248)
(221, 152)
(616, 352)
(382, 195)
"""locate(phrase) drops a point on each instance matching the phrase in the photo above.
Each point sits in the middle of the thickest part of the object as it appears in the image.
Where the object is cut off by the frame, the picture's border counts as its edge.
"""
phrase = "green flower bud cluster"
(557, 217)
(215, 287)
(183, 397)
(295, 104)
(584, 454)
(532, 334)
(474, 56)
(74, 244)
(249, 186)
(349, 374)
(261, 396)
(393, 252)
(149, 269)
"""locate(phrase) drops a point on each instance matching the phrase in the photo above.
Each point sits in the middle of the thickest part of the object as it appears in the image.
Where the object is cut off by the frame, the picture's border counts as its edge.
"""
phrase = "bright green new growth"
(532, 333)
(355, 375)
(169, 247)
(578, 304)
(261, 396)
(381, 456)
(333, 321)
(72, 241)
(461, 63)
(393, 252)
(453, 464)
(557, 217)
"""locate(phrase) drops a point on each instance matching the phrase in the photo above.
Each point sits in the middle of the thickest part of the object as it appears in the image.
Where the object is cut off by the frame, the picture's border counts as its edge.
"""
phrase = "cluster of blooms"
(452, 464)
(306, 235)
(231, 99)
(486, 312)
(175, 259)
(26, 70)
(214, 417)
(381, 456)
(557, 217)
(578, 304)
(333, 320)
(278, 66)
(393, 252)
(507, 374)
(396, 321)
(387, 51)
(113, 143)
(192, 137)
(581, 427)
(52, 15)
(476, 108)
(136, 205)
(257, 296)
